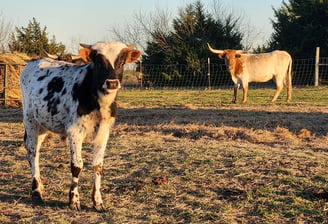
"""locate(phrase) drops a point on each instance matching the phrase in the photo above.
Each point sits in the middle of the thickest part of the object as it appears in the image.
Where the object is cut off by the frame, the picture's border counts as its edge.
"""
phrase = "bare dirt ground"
(183, 165)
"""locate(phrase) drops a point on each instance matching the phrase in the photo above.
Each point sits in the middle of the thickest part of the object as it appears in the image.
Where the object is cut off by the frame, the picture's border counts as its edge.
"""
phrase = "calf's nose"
(113, 84)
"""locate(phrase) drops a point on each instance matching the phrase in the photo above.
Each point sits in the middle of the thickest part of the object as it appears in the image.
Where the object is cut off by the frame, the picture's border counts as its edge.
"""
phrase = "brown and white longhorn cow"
(77, 102)
(246, 68)
(76, 59)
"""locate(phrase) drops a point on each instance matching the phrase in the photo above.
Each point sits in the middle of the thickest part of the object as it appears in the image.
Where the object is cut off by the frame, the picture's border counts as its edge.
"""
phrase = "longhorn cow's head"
(66, 57)
(230, 56)
(228, 52)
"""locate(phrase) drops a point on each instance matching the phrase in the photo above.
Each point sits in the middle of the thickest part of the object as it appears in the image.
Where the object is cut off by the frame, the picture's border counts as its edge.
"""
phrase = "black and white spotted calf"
(75, 101)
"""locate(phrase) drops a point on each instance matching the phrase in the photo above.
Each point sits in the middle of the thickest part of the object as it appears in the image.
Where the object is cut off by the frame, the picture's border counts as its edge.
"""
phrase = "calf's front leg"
(100, 143)
(75, 143)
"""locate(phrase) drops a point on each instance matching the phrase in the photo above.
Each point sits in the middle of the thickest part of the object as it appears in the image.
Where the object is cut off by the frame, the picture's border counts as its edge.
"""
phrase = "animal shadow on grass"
(315, 122)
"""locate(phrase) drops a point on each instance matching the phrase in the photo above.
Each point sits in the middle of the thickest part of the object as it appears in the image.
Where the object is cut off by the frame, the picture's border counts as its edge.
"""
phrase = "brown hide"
(233, 61)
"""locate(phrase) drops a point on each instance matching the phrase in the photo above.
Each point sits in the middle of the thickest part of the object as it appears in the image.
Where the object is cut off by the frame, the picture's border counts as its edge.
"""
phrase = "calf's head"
(108, 59)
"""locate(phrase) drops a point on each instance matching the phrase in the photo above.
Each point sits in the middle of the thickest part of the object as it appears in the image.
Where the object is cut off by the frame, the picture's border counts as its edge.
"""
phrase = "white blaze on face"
(109, 50)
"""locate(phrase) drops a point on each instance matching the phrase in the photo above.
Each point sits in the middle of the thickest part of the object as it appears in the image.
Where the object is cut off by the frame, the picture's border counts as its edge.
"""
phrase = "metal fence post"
(141, 75)
(209, 72)
(316, 71)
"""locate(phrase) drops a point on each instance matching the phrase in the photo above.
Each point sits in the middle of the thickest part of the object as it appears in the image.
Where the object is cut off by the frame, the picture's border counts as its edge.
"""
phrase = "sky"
(74, 21)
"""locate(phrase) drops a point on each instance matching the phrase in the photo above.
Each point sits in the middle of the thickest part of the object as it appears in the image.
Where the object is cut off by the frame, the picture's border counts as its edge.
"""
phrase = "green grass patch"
(222, 97)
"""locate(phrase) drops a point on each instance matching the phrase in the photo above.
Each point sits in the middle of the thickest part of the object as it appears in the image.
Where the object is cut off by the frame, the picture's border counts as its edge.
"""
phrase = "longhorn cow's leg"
(289, 92)
(75, 143)
(100, 143)
(279, 88)
(235, 89)
(245, 92)
(34, 136)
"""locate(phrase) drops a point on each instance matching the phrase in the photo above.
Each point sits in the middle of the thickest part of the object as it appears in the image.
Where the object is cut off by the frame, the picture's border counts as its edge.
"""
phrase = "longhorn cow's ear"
(85, 54)
(222, 55)
(132, 56)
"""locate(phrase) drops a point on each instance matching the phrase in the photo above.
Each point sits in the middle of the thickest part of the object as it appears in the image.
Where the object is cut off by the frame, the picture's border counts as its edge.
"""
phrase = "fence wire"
(213, 76)
(151, 76)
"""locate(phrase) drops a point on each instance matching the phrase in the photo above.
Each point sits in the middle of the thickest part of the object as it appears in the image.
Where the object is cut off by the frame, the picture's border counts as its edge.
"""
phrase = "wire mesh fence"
(182, 77)
(213, 76)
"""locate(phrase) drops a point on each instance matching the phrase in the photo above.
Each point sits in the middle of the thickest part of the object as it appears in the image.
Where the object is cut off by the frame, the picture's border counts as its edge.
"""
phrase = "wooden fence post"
(5, 85)
(316, 70)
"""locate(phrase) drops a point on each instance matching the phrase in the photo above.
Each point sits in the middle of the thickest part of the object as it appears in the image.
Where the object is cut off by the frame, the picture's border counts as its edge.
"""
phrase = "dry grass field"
(185, 157)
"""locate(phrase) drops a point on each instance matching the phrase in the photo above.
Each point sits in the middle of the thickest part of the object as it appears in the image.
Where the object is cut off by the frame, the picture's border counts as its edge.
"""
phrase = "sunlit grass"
(223, 163)
(222, 97)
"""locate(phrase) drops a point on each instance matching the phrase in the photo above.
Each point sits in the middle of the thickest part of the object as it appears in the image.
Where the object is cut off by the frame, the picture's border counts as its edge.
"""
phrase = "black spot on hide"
(64, 92)
(75, 170)
(86, 95)
(41, 77)
(56, 85)
(76, 91)
(52, 98)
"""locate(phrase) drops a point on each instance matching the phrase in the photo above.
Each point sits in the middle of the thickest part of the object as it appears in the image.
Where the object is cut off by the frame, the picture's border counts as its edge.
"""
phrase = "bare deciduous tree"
(252, 35)
(6, 28)
(144, 28)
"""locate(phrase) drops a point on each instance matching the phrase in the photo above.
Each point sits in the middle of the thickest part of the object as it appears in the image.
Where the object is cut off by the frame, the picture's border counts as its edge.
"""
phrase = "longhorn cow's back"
(262, 67)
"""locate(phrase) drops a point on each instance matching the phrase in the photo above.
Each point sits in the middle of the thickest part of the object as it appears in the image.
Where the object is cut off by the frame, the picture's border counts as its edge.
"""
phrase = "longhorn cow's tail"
(289, 80)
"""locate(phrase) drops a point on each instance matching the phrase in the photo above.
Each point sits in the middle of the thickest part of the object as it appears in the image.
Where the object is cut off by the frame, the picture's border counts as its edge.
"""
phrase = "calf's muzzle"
(112, 84)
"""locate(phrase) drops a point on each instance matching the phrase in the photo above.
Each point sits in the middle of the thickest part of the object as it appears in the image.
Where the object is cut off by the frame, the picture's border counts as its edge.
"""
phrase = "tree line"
(298, 27)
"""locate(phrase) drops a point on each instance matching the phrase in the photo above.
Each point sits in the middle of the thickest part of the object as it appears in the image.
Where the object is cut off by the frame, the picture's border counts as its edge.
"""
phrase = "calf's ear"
(85, 54)
(132, 56)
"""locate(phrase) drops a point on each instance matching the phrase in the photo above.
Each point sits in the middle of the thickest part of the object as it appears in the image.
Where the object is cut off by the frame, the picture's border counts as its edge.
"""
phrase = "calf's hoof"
(100, 208)
(75, 206)
(37, 198)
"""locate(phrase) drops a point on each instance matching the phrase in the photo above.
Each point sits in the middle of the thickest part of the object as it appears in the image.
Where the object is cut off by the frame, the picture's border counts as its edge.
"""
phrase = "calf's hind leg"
(34, 136)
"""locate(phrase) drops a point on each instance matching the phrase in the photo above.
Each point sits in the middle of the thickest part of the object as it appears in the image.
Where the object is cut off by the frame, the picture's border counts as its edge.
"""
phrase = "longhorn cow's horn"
(244, 51)
(131, 46)
(76, 57)
(214, 50)
(240, 52)
(52, 56)
(85, 45)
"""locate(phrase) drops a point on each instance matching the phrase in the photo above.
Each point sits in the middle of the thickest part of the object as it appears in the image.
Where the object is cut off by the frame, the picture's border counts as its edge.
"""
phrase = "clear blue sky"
(73, 21)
